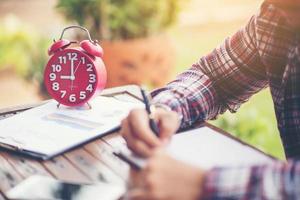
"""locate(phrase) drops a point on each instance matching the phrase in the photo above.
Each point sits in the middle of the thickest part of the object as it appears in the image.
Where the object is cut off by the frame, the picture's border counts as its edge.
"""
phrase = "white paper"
(48, 130)
(205, 148)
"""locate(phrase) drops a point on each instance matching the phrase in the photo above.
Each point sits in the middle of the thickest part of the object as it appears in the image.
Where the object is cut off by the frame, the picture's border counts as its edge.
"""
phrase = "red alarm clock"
(73, 75)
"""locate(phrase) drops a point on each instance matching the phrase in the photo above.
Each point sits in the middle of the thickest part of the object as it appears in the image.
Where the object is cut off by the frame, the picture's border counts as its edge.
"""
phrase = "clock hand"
(73, 77)
(76, 68)
(66, 77)
(72, 69)
(72, 81)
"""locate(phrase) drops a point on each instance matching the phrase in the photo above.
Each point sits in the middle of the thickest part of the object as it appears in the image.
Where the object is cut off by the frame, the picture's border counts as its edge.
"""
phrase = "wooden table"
(90, 163)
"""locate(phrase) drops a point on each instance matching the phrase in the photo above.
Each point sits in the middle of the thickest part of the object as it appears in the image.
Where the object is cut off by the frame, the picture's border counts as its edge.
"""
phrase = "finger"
(139, 127)
(139, 147)
(133, 144)
(125, 131)
(168, 124)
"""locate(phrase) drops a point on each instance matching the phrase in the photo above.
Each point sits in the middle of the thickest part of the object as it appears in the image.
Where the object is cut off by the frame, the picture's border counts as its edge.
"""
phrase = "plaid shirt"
(265, 53)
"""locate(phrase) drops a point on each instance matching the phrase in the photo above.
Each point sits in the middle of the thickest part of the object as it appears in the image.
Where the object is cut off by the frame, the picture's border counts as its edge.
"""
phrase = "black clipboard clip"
(116, 94)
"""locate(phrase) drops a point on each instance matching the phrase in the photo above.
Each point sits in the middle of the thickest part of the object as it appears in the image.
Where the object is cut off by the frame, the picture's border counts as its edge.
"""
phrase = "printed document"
(49, 130)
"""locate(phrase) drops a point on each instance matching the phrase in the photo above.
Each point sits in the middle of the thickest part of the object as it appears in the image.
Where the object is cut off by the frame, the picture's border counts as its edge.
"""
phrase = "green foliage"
(23, 49)
(121, 19)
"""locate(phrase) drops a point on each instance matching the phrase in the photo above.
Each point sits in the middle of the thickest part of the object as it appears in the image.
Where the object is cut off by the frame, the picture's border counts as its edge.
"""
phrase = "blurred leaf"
(25, 50)
(121, 19)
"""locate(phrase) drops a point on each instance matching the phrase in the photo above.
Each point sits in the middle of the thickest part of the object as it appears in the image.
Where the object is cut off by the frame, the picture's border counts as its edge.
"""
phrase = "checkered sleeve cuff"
(279, 180)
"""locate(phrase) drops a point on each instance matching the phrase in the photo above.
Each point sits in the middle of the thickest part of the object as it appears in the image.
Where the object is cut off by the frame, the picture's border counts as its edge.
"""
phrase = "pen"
(152, 123)
(134, 162)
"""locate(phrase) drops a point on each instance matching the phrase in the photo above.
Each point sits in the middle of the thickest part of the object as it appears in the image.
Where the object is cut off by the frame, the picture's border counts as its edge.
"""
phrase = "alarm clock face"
(70, 77)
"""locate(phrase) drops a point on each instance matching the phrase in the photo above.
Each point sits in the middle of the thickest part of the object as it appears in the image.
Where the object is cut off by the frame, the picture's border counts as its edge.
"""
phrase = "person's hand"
(136, 130)
(165, 178)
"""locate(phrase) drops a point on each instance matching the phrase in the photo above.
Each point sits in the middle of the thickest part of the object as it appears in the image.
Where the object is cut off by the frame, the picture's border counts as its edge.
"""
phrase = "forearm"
(191, 95)
(220, 81)
(278, 181)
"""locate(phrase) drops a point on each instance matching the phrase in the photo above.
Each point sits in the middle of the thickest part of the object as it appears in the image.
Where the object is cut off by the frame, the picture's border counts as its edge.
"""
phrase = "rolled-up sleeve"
(219, 81)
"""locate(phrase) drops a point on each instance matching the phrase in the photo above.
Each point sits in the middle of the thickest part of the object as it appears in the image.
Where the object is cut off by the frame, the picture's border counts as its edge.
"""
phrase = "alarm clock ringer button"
(60, 44)
(93, 49)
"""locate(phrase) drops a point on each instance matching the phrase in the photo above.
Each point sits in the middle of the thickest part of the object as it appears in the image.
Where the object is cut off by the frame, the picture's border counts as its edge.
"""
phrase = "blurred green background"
(27, 28)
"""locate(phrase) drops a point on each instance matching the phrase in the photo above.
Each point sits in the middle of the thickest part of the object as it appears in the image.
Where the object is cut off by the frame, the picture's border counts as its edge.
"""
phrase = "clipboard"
(129, 94)
(201, 141)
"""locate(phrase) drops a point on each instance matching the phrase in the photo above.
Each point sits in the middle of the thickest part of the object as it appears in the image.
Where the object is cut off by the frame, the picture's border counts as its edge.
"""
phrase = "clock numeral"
(89, 67)
(63, 93)
(92, 78)
(72, 56)
(55, 86)
(52, 76)
(72, 98)
(62, 59)
(82, 95)
(56, 68)
(89, 88)
(83, 60)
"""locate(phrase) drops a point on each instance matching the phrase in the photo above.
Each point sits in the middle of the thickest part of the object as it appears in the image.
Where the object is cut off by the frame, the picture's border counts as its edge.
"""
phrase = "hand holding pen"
(152, 123)
(145, 131)
(140, 130)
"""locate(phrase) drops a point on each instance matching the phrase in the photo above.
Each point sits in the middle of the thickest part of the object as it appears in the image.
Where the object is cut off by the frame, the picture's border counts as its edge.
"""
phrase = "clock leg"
(89, 105)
